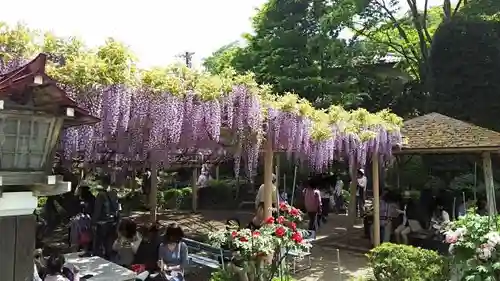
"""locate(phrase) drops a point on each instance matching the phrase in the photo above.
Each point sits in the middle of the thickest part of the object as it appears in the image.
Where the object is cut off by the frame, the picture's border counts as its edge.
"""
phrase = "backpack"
(311, 200)
(80, 230)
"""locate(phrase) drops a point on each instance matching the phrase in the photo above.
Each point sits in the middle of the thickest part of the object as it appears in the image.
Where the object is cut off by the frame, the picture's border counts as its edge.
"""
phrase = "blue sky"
(156, 30)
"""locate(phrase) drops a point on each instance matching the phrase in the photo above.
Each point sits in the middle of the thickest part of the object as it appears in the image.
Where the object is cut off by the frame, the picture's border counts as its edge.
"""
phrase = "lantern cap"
(30, 86)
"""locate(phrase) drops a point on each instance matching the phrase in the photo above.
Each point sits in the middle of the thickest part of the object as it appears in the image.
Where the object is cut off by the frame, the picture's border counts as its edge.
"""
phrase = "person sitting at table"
(173, 253)
(148, 251)
(127, 243)
(57, 271)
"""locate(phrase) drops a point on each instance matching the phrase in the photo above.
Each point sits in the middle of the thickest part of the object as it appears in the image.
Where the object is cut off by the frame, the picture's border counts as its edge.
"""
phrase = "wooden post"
(294, 183)
(153, 200)
(277, 171)
(195, 190)
(489, 183)
(376, 199)
(268, 177)
(352, 190)
(16, 247)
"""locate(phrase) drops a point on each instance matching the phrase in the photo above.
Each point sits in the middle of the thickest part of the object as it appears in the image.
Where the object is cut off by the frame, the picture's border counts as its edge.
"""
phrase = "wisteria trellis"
(140, 123)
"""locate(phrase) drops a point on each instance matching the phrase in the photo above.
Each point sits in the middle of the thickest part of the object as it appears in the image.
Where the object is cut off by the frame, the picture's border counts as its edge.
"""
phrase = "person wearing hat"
(260, 195)
(360, 192)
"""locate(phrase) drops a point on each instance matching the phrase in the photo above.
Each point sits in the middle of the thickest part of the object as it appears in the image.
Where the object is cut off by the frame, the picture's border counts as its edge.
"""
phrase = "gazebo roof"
(437, 133)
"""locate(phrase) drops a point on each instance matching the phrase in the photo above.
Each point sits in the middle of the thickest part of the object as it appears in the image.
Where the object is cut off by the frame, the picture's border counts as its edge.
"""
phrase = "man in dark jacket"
(105, 218)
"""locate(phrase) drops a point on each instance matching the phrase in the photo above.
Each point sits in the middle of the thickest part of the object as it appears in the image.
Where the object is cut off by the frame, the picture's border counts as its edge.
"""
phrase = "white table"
(101, 269)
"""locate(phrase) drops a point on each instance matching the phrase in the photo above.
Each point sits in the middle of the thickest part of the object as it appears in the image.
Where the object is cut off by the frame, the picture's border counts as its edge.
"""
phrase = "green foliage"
(41, 201)
(223, 59)
(222, 275)
(81, 70)
(347, 196)
(406, 263)
(483, 9)
(474, 245)
(294, 48)
(174, 198)
(411, 172)
(399, 34)
(223, 190)
(472, 49)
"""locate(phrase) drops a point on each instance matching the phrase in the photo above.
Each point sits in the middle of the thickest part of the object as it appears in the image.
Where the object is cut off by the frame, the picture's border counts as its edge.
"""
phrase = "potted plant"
(262, 252)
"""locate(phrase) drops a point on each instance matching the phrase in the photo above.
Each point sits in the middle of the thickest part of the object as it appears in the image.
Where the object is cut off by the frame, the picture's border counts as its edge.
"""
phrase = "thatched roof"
(434, 133)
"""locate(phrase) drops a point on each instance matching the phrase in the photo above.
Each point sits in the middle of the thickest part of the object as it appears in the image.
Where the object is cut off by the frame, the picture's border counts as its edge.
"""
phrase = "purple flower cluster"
(141, 125)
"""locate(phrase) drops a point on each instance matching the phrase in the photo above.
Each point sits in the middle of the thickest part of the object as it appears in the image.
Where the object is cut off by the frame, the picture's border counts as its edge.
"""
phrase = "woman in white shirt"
(337, 195)
(361, 192)
(439, 219)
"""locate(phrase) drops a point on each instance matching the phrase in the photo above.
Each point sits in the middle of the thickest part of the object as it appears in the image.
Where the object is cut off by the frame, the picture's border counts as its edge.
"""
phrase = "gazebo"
(435, 133)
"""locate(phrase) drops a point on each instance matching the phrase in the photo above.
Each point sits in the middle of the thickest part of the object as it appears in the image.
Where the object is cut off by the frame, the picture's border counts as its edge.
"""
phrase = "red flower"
(297, 237)
(243, 239)
(281, 219)
(280, 231)
(270, 220)
(283, 206)
(234, 234)
(293, 226)
(294, 212)
(255, 233)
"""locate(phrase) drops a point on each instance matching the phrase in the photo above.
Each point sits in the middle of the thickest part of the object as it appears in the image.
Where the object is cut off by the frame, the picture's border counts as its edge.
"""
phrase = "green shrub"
(175, 198)
(406, 263)
(347, 196)
(222, 275)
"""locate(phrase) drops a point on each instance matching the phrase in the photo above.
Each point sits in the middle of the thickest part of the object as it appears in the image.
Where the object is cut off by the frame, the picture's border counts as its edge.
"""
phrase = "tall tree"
(295, 47)
(465, 62)
(223, 58)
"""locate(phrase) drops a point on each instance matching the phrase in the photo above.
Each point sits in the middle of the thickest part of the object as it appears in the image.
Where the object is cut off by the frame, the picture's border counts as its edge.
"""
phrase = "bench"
(310, 236)
(247, 203)
(428, 241)
(206, 255)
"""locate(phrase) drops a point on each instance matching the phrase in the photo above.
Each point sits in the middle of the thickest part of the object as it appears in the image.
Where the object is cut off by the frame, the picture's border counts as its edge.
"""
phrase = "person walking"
(312, 200)
(338, 196)
(361, 192)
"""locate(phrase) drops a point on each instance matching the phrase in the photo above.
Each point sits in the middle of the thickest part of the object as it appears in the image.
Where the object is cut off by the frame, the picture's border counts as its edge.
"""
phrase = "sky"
(156, 30)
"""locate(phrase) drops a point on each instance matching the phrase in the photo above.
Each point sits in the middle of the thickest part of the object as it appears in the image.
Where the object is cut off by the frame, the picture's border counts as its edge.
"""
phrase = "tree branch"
(419, 28)
(399, 28)
(424, 22)
(458, 7)
(398, 48)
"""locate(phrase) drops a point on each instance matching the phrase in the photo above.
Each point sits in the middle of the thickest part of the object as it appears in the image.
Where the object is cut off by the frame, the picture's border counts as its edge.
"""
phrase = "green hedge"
(407, 263)
(175, 198)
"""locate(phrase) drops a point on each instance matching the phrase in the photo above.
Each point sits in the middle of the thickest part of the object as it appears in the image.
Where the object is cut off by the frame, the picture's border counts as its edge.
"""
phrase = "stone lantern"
(33, 113)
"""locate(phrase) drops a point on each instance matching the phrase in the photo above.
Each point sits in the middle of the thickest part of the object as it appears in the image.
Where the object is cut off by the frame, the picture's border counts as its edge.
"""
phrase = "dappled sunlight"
(194, 223)
(99, 268)
(324, 266)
